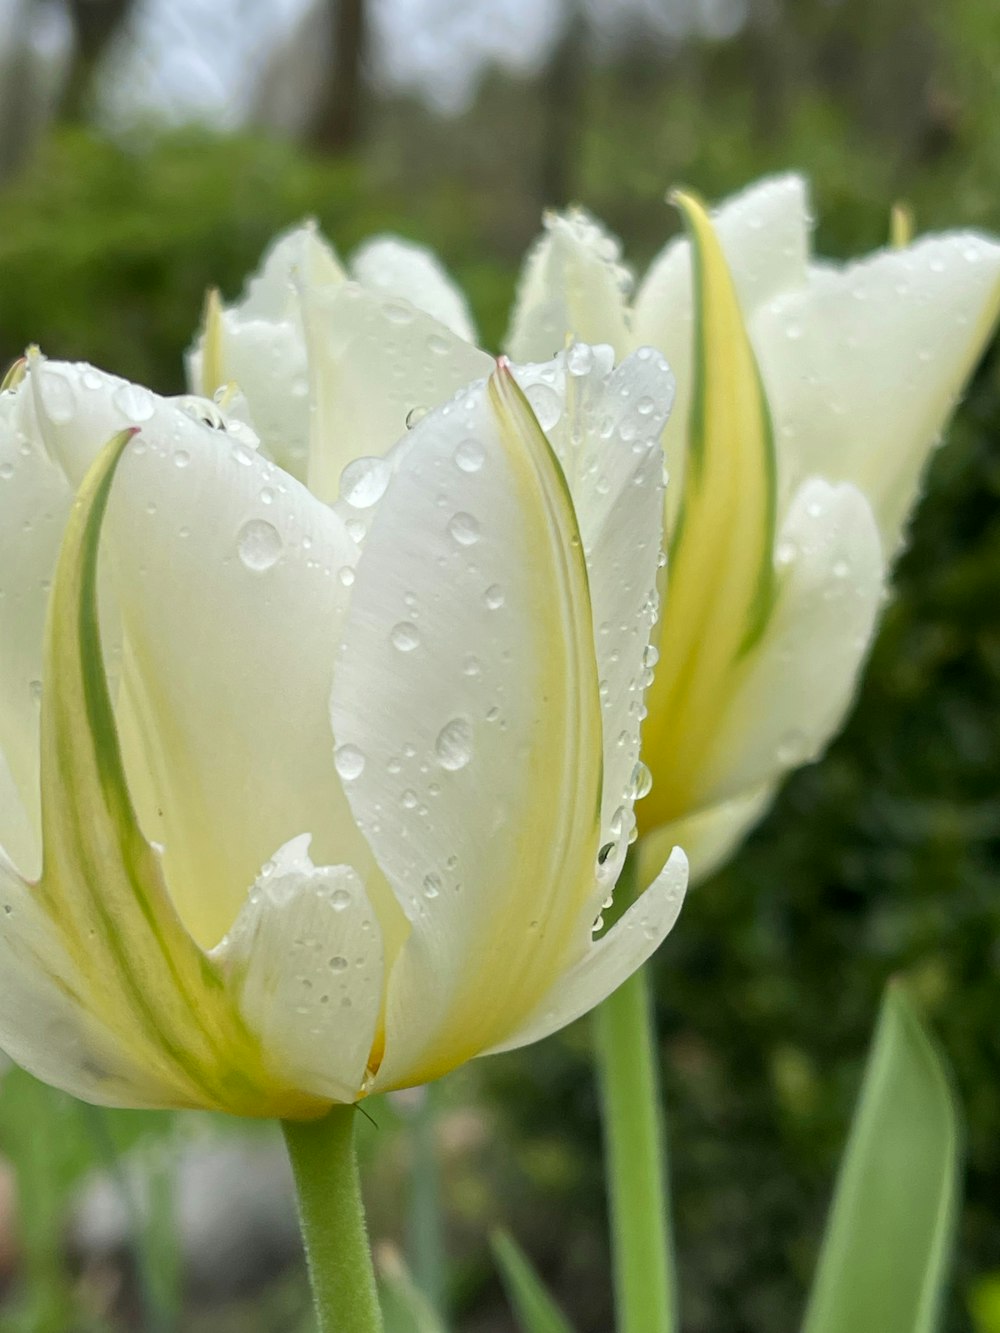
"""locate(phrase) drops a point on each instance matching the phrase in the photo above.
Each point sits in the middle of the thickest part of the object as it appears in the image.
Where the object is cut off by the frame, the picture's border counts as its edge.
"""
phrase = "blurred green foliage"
(883, 859)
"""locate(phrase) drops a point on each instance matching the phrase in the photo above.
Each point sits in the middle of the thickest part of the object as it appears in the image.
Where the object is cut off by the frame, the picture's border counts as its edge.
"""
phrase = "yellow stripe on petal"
(721, 573)
(101, 883)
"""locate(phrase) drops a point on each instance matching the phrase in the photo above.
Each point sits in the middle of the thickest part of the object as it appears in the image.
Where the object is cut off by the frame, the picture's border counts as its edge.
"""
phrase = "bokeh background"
(148, 150)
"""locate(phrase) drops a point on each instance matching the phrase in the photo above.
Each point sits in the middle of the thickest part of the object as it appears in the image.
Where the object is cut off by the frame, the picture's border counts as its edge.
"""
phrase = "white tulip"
(329, 798)
(809, 396)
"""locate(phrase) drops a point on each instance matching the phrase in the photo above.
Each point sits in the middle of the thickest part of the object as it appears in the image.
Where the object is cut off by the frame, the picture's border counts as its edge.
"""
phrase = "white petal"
(298, 256)
(708, 837)
(35, 499)
(375, 364)
(467, 708)
(607, 439)
(764, 233)
(305, 956)
(47, 1022)
(392, 267)
(262, 344)
(800, 678)
(573, 286)
(611, 959)
(864, 366)
(232, 584)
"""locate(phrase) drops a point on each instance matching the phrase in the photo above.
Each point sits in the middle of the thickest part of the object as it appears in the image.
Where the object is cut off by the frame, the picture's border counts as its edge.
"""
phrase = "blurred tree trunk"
(562, 113)
(15, 96)
(95, 23)
(339, 120)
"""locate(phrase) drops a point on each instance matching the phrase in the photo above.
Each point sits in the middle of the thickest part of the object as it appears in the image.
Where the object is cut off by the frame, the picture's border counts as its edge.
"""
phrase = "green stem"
(332, 1218)
(426, 1245)
(635, 1150)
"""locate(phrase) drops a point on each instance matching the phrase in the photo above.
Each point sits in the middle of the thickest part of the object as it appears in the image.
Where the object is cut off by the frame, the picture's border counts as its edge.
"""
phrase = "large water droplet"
(134, 402)
(259, 544)
(349, 762)
(546, 405)
(464, 529)
(453, 746)
(405, 636)
(363, 482)
(642, 781)
(57, 396)
(470, 456)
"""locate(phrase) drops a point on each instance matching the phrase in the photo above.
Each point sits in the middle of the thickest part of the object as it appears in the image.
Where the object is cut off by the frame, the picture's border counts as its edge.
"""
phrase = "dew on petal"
(259, 544)
(349, 762)
(363, 482)
(453, 746)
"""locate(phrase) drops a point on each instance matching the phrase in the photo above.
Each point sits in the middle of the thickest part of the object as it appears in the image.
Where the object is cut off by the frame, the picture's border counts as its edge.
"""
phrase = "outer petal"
(102, 889)
(305, 956)
(764, 235)
(48, 1020)
(798, 682)
(35, 500)
(863, 367)
(392, 267)
(376, 365)
(573, 286)
(232, 617)
(721, 576)
(610, 960)
(605, 425)
(708, 837)
(466, 703)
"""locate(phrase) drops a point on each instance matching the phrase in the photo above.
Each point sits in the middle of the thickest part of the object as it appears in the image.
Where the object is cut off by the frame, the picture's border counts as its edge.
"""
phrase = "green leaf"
(534, 1308)
(887, 1247)
(405, 1308)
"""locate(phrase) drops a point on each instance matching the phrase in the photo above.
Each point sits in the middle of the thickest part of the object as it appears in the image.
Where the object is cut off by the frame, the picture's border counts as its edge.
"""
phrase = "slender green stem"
(426, 1244)
(332, 1218)
(635, 1150)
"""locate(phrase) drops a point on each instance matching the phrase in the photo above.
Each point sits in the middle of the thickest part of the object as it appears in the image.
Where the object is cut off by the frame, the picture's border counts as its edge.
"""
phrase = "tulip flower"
(809, 397)
(394, 294)
(305, 801)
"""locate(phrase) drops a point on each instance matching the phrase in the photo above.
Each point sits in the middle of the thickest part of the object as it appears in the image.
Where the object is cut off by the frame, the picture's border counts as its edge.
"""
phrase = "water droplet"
(650, 656)
(134, 402)
(339, 899)
(57, 396)
(841, 569)
(349, 762)
(470, 456)
(472, 665)
(579, 359)
(259, 544)
(405, 636)
(453, 746)
(6, 471)
(438, 344)
(338, 963)
(642, 781)
(432, 885)
(346, 575)
(363, 482)
(415, 416)
(181, 458)
(464, 529)
(546, 405)
(493, 597)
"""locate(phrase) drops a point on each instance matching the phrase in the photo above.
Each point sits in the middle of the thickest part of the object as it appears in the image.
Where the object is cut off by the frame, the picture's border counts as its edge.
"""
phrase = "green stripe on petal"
(101, 882)
(721, 575)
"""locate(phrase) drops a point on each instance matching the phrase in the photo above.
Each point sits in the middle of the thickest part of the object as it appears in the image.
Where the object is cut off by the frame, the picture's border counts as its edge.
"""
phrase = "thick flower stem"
(332, 1218)
(635, 1150)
